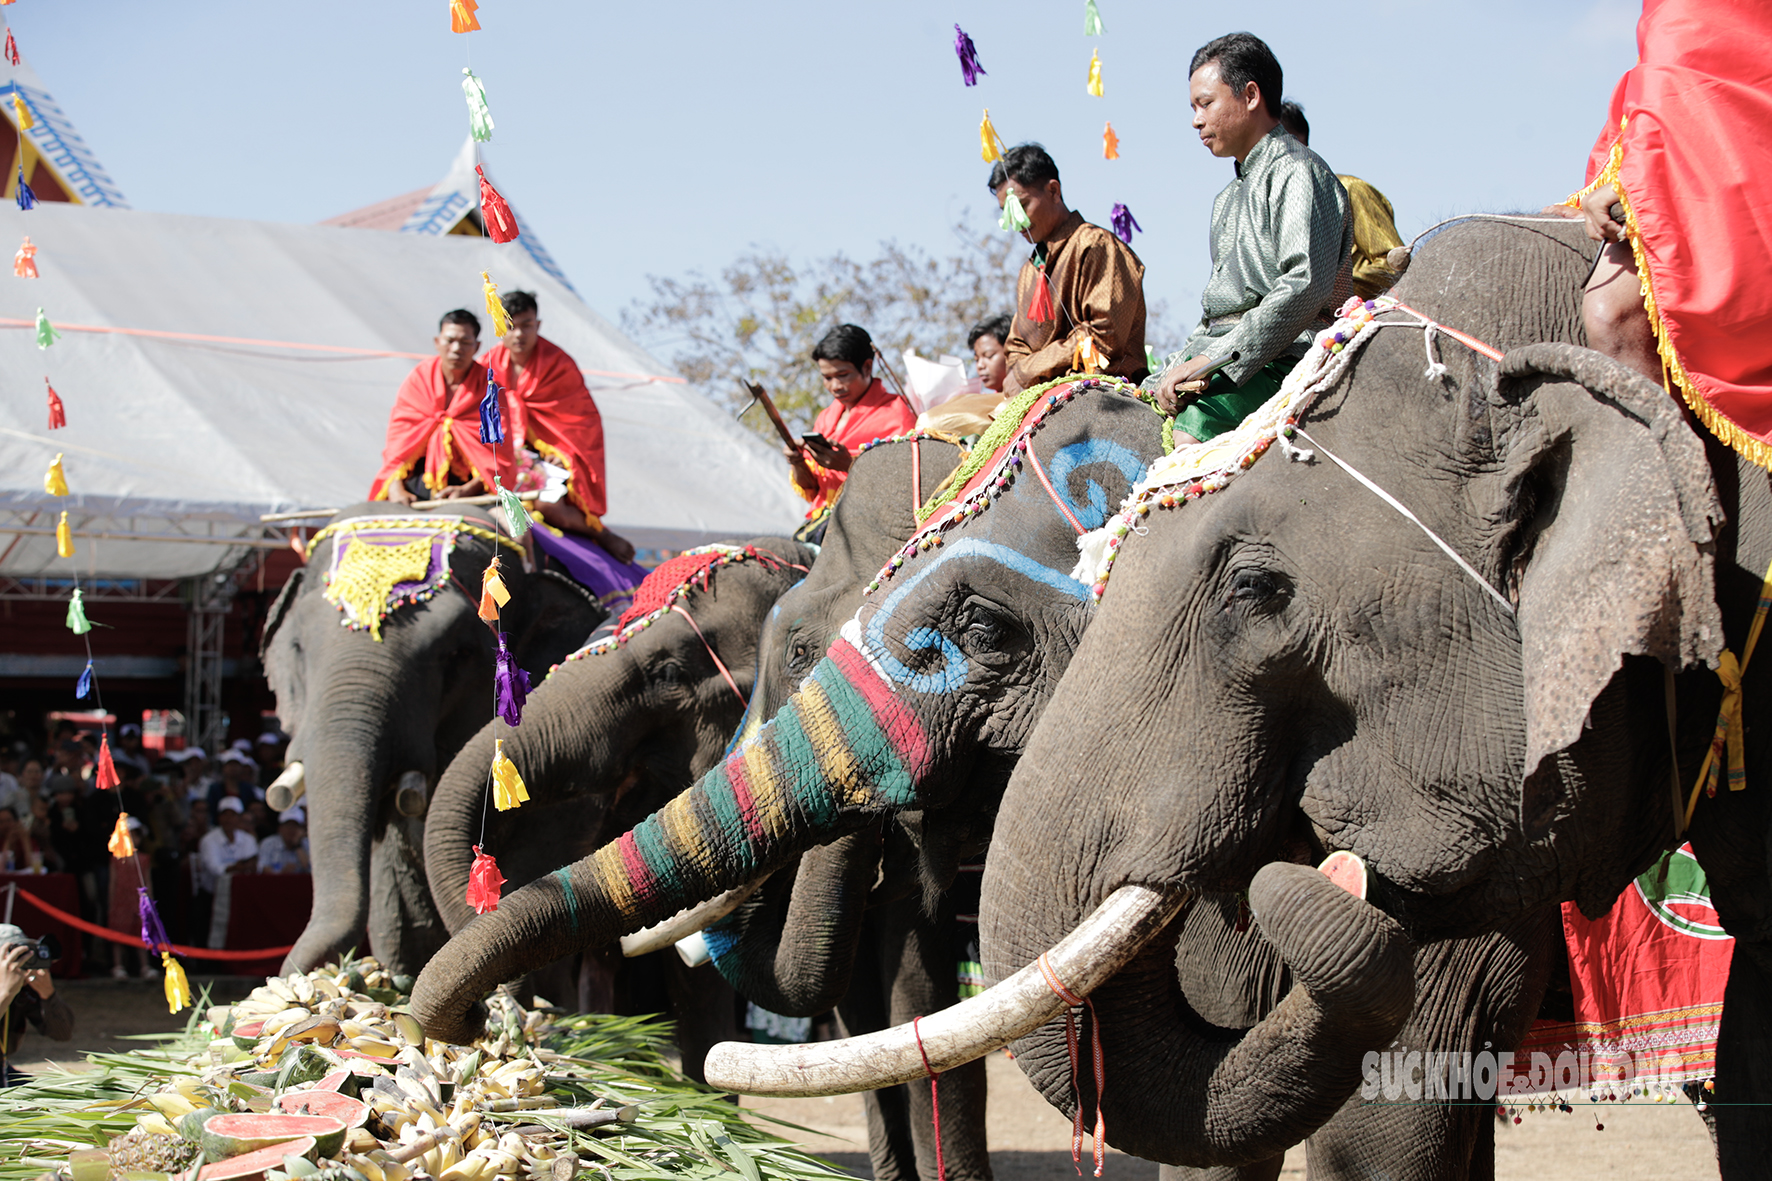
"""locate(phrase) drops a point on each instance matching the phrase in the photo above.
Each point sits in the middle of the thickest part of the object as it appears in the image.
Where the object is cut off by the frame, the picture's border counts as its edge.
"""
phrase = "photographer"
(27, 995)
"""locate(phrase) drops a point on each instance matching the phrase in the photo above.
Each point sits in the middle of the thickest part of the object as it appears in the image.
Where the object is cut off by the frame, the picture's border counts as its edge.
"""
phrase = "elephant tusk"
(1085, 959)
(687, 922)
(286, 788)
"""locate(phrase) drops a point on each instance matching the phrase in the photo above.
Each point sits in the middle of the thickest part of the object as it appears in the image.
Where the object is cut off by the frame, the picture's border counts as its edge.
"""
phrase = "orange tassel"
(1110, 143)
(24, 263)
(1040, 307)
(493, 594)
(461, 16)
(120, 845)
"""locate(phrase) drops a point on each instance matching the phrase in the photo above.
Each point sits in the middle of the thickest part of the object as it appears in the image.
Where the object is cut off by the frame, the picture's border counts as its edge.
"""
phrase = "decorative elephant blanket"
(382, 563)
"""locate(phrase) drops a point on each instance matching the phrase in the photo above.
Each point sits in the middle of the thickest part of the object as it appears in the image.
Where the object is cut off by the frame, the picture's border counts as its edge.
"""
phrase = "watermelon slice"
(227, 1136)
(252, 1166)
(345, 1082)
(1347, 871)
(353, 1113)
(246, 1036)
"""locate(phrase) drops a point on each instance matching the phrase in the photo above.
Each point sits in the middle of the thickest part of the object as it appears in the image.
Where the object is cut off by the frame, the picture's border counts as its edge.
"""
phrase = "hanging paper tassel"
(178, 989)
(516, 512)
(120, 845)
(968, 53)
(26, 198)
(492, 422)
(1110, 143)
(495, 212)
(990, 145)
(105, 773)
(479, 114)
(507, 786)
(54, 482)
(58, 416)
(153, 930)
(1040, 306)
(501, 321)
(1087, 358)
(1015, 218)
(1095, 73)
(1091, 19)
(461, 16)
(46, 333)
(24, 263)
(11, 47)
(1123, 223)
(77, 615)
(484, 883)
(64, 537)
(21, 112)
(513, 685)
(493, 594)
(85, 684)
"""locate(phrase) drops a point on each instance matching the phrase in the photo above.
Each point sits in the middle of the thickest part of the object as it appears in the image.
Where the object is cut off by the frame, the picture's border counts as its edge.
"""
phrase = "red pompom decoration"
(484, 882)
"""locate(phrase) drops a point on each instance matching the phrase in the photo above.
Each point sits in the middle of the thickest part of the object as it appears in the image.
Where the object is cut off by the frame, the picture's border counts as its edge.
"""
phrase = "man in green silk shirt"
(1282, 239)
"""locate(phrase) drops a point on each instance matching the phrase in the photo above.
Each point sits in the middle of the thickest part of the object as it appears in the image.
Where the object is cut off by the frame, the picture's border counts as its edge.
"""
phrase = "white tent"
(215, 370)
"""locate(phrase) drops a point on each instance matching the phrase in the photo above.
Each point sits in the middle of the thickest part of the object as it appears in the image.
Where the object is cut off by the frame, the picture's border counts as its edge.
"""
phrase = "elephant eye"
(1253, 587)
(981, 625)
(669, 672)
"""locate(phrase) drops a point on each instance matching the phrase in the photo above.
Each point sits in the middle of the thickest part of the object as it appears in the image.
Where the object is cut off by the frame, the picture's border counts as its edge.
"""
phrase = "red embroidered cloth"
(554, 413)
(441, 424)
(878, 414)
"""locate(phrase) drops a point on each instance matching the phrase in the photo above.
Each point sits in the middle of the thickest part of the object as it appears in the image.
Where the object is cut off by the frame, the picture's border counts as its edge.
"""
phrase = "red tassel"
(58, 417)
(501, 223)
(106, 774)
(1040, 307)
(11, 47)
(484, 882)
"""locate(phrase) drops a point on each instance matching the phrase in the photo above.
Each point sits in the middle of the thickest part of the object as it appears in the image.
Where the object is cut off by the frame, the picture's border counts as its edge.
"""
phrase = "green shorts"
(1224, 406)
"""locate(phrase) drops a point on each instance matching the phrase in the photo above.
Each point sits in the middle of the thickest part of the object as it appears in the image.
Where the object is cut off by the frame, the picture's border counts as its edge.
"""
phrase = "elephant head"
(382, 666)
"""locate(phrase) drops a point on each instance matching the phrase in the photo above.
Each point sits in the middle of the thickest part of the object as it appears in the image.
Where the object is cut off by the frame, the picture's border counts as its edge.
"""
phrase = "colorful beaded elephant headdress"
(382, 563)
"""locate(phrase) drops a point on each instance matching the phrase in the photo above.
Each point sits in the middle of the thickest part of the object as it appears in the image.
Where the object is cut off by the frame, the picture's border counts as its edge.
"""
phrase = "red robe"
(555, 414)
(1686, 147)
(879, 414)
(440, 424)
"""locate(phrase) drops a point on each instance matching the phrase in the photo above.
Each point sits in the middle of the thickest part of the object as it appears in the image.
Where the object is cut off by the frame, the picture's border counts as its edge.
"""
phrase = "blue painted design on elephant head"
(952, 674)
(1092, 514)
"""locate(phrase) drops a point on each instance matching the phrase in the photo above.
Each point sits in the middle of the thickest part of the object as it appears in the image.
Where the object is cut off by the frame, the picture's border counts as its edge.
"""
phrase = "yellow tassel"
(178, 989)
(493, 594)
(990, 144)
(21, 113)
(1087, 357)
(1095, 73)
(507, 786)
(64, 538)
(54, 482)
(501, 323)
(120, 845)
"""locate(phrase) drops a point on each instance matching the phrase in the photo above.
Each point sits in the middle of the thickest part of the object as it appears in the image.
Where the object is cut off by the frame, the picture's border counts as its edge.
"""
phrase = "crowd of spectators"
(195, 820)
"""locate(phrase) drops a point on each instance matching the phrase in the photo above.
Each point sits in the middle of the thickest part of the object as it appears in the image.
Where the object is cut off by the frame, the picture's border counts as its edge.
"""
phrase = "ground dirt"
(1029, 1140)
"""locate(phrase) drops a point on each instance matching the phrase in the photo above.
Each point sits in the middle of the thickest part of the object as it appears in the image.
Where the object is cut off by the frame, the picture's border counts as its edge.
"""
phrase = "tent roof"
(305, 333)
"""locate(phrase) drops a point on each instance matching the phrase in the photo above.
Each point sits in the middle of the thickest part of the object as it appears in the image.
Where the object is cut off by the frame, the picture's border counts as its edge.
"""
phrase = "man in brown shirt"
(1079, 300)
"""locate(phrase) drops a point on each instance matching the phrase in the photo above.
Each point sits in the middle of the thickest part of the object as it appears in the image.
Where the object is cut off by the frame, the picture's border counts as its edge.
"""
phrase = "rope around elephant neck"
(1071, 1041)
(743, 702)
(941, 1168)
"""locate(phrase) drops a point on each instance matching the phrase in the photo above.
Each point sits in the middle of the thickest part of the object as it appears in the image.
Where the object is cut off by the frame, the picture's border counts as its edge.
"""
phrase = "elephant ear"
(1616, 513)
(278, 612)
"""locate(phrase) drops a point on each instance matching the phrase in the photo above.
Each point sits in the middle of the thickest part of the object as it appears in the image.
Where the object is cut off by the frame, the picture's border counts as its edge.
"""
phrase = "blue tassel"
(85, 685)
(26, 198)
(492, 425)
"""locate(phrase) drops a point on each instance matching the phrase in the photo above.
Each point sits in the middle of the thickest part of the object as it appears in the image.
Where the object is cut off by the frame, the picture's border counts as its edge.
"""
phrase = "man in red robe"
(555, 419)
(433, 448)
(864, 410)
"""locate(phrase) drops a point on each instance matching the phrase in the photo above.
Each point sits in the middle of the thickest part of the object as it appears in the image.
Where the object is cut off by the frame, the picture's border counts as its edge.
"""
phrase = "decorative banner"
(1091, 19)
(968, 54)
(105, 774)
(1123, 223)
(26, 198)
(12, 57)
(516, 514)
(120, 845)
(479, 114)
(495, 308)
(507, 786)
(495, 211)
(46, 333)
(513, 685)
(77, 615)
(84, 686)
(54, 482)
(1095, 73)
(493, 594)
(484, 883)
(21, 112)
(24, 263)
(1015, 218)
(492, 424)
(64, 537)
(990, 145)
(463, 20)
(1110, 143)
(58, 415)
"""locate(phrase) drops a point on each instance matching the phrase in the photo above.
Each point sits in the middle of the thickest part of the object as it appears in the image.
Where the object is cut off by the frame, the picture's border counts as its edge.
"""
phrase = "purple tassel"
(492, 423)
(153, 930)
(85, 685)
(513, 686)
(1124, 223)
(968, 52)
(26, 198)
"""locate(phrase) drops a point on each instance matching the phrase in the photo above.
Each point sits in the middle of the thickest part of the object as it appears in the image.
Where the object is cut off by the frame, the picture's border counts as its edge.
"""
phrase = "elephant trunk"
(452, 827)
(842, 749)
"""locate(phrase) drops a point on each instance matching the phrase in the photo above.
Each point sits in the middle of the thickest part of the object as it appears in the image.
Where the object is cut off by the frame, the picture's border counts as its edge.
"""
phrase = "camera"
(44, 951)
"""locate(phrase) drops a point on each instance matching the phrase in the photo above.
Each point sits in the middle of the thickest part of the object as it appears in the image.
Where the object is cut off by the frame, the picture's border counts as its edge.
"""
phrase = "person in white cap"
(286, 850)
(223, 852)
(239, 780)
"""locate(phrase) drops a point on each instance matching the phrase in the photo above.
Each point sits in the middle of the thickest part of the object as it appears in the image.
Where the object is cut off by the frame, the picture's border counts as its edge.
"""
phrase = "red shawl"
(441, 424)
(556, 415)
(1686, 147)
(877, 414)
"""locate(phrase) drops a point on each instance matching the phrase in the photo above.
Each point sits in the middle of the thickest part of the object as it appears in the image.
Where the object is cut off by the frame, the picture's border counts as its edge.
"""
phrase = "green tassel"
(479, 114)
(1015, 218)
(515, 512)
(46, 333)
(77, 615)
(1091, 19)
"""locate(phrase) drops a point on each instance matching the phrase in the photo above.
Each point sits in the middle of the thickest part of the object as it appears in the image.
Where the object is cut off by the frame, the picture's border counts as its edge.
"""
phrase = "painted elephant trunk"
(842, 749)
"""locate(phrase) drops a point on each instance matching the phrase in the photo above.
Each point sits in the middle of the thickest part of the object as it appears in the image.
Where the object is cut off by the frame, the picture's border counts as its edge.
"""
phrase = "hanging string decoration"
(484, 883)
(178, 989)
(495, 211)
(513, 685)
(990, 144)
(1091, 19)
(77, 622)
(1110, 143)
(479, 114)
(12, 57)
(1095, 73)
(495, 308)
(21, 112)
(64, 537)
(1123, 223)
(54, 482)
(120, 844)
(105, 773)
(492, 423)
(461, 16)
(493, 593)
(968, 54)
(1015, 219)
(1087, 357)
(58, 415)
(84, 685)
(27, 199)
(516, 513)
(46, 333)
(507, 786)
(24, 263)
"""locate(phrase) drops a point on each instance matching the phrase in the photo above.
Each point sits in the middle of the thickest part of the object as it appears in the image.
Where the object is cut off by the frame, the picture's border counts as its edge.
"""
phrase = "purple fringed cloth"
(591, 567)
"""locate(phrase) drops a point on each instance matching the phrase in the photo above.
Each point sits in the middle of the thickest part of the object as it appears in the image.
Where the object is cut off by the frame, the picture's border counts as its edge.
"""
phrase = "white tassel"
(1435, 370)
(1293, 452)
(1093, 546)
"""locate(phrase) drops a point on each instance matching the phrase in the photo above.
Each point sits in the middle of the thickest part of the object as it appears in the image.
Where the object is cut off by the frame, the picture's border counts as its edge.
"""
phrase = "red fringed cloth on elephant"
(1648, 979)
(555, 414)
(1687, 149)
(440, 424)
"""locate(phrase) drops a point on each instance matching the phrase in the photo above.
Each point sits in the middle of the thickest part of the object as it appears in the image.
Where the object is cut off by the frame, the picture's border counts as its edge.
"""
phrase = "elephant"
(615, 731)
(376, 710)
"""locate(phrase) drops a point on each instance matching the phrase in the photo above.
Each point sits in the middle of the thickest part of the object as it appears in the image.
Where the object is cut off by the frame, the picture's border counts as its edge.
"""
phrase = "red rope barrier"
(190, 953)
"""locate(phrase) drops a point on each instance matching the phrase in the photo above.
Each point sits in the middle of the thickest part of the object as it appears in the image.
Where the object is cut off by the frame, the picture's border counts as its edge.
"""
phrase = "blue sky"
(662, 137)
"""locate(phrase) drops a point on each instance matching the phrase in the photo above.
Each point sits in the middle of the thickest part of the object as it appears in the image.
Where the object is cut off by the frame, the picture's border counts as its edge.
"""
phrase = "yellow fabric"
(969, 414)
(367, 573)
(64, 538)
(493, 594)
(507, 786)
(178, 989)
(1375, 235)
(990, 145)
(54, 482)
(21, 112)
(413, 522)
(120, 845)
(501, 323)
(1095, 73)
